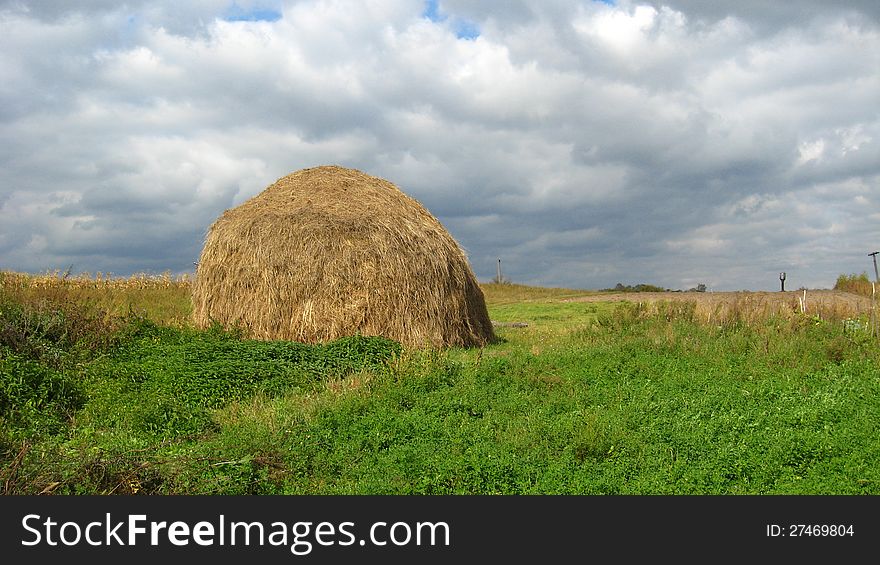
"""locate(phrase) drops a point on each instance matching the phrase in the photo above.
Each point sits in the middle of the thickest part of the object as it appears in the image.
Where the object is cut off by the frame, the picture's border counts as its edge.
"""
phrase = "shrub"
(52, 326)
(857, 284)
(641, 287)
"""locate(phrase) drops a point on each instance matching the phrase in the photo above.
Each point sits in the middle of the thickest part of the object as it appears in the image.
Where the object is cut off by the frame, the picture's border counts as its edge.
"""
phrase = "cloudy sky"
(584, 143)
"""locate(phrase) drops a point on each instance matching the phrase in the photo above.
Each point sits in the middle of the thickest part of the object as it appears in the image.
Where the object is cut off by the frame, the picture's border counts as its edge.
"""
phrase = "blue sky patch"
(432, 11)
(236, 13)
(463, 29)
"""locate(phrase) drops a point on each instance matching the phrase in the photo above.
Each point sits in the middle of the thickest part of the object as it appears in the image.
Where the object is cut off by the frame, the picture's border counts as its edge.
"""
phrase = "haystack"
(328, 252)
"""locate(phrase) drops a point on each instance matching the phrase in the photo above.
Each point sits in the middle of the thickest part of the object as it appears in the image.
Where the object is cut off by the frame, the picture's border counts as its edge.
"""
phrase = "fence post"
(873, 309)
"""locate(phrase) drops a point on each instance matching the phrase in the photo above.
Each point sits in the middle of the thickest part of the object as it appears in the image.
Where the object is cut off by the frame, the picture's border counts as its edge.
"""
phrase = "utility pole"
(874, 256)
(782, 282)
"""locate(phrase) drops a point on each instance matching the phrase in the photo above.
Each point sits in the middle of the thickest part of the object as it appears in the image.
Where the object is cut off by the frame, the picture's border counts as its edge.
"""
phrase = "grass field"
(105, 389)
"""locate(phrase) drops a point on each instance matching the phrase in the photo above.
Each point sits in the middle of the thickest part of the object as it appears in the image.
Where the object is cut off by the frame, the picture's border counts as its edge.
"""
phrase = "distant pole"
(782, 282)
(498, 273)
(874, 256)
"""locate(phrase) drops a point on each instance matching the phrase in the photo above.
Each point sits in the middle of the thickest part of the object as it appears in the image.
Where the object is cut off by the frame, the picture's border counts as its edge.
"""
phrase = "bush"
(641, 287)
(857, 284)
(53, 327)
(43, 338)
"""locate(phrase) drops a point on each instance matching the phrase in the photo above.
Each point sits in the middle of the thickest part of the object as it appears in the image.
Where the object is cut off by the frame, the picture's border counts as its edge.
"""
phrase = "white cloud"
(811, 151)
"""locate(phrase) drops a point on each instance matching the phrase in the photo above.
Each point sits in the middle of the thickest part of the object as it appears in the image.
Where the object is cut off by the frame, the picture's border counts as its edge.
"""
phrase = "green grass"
(498, 294)
(587, 399)
(545, 321)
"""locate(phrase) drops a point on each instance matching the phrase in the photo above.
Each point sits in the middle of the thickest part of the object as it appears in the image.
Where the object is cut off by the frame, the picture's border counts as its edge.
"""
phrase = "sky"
(583, 143)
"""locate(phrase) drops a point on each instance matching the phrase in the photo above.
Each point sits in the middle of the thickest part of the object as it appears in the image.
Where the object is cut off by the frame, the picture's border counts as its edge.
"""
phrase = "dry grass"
(328, 252)
(102, 281)
(744, 306)
(164, 298)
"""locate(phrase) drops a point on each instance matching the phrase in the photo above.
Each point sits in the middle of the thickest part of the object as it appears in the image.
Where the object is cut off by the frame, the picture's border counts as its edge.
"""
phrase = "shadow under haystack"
(328, 252)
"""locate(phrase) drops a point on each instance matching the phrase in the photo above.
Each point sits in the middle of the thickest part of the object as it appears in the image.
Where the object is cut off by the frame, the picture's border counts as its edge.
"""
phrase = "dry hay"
(328, 252)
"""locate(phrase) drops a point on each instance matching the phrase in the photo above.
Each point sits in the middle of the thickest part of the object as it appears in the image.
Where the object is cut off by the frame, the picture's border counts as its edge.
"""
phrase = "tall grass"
(164, 298)
(753, 310)
(100, 280)
(857, 284)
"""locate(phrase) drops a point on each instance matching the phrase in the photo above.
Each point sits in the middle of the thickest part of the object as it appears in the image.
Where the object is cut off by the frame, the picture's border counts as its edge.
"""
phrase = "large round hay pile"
(328, 252)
